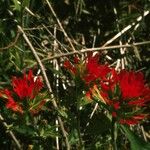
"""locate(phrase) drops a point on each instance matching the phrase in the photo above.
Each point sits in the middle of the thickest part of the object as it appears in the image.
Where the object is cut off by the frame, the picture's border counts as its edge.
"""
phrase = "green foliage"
(136, 142)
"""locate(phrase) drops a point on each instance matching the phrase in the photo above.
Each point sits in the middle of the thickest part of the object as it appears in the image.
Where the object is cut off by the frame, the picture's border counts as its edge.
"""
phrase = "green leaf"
(48, 131)
(25, 130)
(62, 112)
(136, 142)
(73, 137)
(26, 3)
(17, 5)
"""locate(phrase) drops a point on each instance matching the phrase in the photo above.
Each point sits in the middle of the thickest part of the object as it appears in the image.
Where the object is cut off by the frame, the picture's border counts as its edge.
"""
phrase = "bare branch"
(125, 29)
(97, 49)
(11, 133)
(47, 84)
(59, 23)
(12, 43)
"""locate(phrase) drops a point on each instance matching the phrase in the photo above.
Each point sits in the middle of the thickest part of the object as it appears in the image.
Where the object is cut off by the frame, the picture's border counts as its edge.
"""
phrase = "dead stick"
(60, 25)
(47, 84)
(11, 133)
(85, 50)
(126, 29)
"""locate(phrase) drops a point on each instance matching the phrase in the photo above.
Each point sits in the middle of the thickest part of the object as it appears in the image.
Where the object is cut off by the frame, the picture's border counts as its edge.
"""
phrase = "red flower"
(11, 104)
(24, 88)
(128, 121)
(133, 120)
(76, 60)
(133, 95)
(70, 67)
(132, 84)
(88, 95)
(137, 102)
(95, 70)
(116, 105)
(28, 86)
(124, 93)
(67, 64)
(114, 114)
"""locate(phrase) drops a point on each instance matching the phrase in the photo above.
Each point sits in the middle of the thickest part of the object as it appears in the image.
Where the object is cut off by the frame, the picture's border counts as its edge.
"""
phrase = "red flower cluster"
(90, 70)
(28, 86)
(132, 84)
(94, 70)
(25, 88)
(124, 93)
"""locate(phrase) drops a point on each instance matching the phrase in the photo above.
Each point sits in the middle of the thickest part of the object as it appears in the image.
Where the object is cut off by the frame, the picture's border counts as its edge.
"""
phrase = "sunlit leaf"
(136, 142)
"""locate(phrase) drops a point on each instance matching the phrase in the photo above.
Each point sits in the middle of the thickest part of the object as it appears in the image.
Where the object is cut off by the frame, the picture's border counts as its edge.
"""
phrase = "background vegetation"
(52, 31)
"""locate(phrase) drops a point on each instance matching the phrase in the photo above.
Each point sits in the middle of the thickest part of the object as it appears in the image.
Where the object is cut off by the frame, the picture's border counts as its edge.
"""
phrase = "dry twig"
(12, 43)
(59, 23)
(47, 84)
(96, 49)
(10, 133)
(125, 29)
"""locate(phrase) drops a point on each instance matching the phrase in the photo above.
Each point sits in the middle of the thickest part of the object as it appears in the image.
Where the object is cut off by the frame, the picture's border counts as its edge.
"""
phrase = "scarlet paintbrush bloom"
(11, 104)
(132, 94)
(76, 60)
(67, 64)
(88, 95)
(133, 88)
(89, 70)
(132, 84)
(70, 67)
(125, 94)
(27, 86)
(94, 70)
(133, 120)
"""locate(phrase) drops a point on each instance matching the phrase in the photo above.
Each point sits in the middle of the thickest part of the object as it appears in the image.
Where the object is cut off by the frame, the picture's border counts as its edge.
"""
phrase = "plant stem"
(114, 134)
(78, 129)
(86, 50)
(60, 25)
(11, 133)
